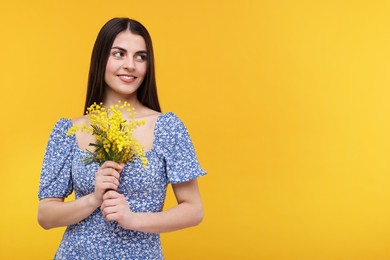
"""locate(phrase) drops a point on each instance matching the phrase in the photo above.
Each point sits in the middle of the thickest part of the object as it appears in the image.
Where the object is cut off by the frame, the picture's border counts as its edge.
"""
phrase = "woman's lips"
(127, 78)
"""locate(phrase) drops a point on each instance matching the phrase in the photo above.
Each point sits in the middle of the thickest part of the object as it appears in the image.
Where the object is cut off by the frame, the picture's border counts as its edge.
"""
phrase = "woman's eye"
(140, 57)
(118, 54)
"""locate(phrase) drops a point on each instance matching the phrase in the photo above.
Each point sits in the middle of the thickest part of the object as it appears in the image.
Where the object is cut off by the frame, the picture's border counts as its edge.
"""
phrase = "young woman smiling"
(118, 212)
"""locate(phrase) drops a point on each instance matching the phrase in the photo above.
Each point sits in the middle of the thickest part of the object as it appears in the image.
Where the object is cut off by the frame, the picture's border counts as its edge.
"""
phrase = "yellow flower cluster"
(113, 134)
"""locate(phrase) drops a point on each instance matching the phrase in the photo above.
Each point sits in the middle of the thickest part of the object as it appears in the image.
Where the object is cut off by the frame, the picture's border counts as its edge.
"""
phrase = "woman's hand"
(107, 178)
(116, 208)
(188, 212)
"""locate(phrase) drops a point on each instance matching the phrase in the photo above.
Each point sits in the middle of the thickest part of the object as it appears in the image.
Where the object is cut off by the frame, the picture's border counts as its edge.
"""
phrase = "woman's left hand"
(116, 208)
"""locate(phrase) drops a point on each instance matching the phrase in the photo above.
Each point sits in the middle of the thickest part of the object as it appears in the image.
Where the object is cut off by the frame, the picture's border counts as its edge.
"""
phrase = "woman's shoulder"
(64, 121)
(169, 117)
(63, 124)
(58, 133)
(169, 124)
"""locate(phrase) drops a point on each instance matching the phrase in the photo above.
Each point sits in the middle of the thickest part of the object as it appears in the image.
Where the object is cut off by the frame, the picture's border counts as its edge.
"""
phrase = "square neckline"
(146, 152)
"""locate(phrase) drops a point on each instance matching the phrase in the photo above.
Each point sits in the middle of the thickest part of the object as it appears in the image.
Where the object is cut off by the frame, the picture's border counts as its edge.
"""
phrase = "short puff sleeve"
(178, 151)
(56, 179)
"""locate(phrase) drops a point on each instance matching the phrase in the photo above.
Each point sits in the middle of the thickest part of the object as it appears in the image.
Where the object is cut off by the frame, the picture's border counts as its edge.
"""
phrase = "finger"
(111, 216)
(111, 164)
(106, 203)
(108, 172)
(108, 179)
(107, 211)
(107, 183)
(108, 186)
(120, 170)
(111, 194)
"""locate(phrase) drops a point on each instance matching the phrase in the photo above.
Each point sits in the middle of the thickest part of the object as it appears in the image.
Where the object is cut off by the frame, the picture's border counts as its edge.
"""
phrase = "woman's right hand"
(107, 178)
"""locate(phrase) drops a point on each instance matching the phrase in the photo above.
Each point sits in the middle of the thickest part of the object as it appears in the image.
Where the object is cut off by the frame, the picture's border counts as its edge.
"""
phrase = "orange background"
(287, 103)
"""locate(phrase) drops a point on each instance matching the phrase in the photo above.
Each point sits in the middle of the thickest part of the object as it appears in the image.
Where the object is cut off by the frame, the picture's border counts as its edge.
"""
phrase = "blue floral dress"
(172, 159)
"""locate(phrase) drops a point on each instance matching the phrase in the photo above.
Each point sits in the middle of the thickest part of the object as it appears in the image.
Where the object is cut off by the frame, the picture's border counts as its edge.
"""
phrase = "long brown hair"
(147, 92)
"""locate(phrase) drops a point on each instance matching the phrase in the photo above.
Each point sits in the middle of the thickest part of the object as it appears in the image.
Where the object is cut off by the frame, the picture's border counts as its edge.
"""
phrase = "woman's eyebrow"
(119, 48)
(124, 50)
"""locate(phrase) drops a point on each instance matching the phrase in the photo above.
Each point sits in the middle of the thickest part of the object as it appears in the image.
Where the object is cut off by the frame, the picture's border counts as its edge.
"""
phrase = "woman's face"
(126, 65)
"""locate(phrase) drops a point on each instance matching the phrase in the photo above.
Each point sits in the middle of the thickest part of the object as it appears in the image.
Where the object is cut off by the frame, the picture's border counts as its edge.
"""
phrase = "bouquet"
(114, 141)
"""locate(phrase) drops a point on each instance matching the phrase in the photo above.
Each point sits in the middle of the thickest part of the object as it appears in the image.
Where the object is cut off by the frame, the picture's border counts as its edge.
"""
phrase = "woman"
(117, 211)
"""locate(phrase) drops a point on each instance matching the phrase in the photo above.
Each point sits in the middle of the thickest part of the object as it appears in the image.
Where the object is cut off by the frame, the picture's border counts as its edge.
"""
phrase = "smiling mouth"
(126, 77)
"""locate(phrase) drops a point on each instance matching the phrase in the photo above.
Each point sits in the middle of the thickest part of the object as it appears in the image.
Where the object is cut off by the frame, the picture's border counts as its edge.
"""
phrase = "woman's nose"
(129, 64)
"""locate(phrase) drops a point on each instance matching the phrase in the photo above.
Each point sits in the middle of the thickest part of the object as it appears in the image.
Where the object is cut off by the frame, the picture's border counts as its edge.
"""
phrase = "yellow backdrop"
(287, 103)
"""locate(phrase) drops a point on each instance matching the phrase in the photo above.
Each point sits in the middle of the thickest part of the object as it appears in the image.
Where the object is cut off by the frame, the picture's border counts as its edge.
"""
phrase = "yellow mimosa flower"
(113, 134)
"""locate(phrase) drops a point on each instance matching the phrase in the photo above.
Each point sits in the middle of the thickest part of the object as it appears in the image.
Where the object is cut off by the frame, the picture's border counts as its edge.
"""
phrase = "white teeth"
(127, 77)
